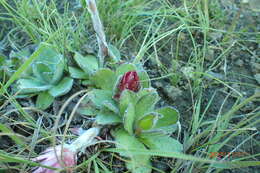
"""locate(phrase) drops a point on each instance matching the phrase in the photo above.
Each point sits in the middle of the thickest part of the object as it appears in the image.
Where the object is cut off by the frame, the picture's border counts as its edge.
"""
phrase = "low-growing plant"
(89, 64)
(8, 64)
(124, 97)
(47, 79)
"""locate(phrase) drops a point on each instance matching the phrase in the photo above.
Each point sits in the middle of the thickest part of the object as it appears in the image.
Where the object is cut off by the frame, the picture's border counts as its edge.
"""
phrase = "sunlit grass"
(150, 30)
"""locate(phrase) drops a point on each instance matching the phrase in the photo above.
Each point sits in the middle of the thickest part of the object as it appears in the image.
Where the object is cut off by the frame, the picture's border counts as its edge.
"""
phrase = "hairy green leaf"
(147, 122)
(32, 85)
(99, 97)
(104, 78)
(111, 106)
(122, 69)
(129, 118)
(105, 117)
(77, 73)
(62, 88)
(88, 111)
(88, 63)
(162, 143)
(170, 117)
(146, 104)
(125, 99)
(44, 100)
(49, 64)
(139, 163)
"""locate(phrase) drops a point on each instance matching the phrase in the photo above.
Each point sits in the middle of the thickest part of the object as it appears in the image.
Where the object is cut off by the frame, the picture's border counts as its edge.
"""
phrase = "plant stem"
(98, 27)
(85, 140)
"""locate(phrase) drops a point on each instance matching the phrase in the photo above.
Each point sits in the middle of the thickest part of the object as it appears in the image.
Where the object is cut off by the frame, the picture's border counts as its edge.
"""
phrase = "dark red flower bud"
(130, 81)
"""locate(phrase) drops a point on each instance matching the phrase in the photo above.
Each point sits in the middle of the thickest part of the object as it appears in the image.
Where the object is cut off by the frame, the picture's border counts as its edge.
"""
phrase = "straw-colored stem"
(98, 27)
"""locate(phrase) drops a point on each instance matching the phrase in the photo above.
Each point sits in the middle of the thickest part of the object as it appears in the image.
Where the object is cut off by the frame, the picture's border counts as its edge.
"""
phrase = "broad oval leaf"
(98, 97)
(105, 117)
(139, 163)
(42, 71)
(62, 87)
(87, 82)
(77, 73)
(125, 99)
(44, 100)
(123, 68)
(104, 78)
(161, 142)
(170, 117)
(88, 63)
(111, 106)
(49, 64)
(145, 91)
(58, 69)
(88, 111)
(146, 104)
(32, 85)
(147, 122)
(129, 119)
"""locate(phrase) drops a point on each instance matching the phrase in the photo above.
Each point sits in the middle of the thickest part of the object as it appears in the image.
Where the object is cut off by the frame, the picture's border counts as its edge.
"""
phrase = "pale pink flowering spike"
(64, 158)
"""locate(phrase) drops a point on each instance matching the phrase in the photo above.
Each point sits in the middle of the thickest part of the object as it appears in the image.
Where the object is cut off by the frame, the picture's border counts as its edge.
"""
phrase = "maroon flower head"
(130, 81)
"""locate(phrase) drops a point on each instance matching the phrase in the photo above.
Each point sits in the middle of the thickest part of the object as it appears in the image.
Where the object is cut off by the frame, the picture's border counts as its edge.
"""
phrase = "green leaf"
(147, 122)
(111, 106)
(126, 97)
(139, 163)
(122, 69)
(62, 88)
(44, 100)
(42, 72)
(162, 143)
(77, 73)
(146, 91)
(114, 53)
(23, 67)
(146, 104)
(88, 63)
(87, 82)
(58, 70)
(49, 64)
(88, 111)
(144, 79)
(98, 97)
(129, 118)
(32, 85)
(116, 84)
(170, 117)
(107, 118)
(104, 78)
